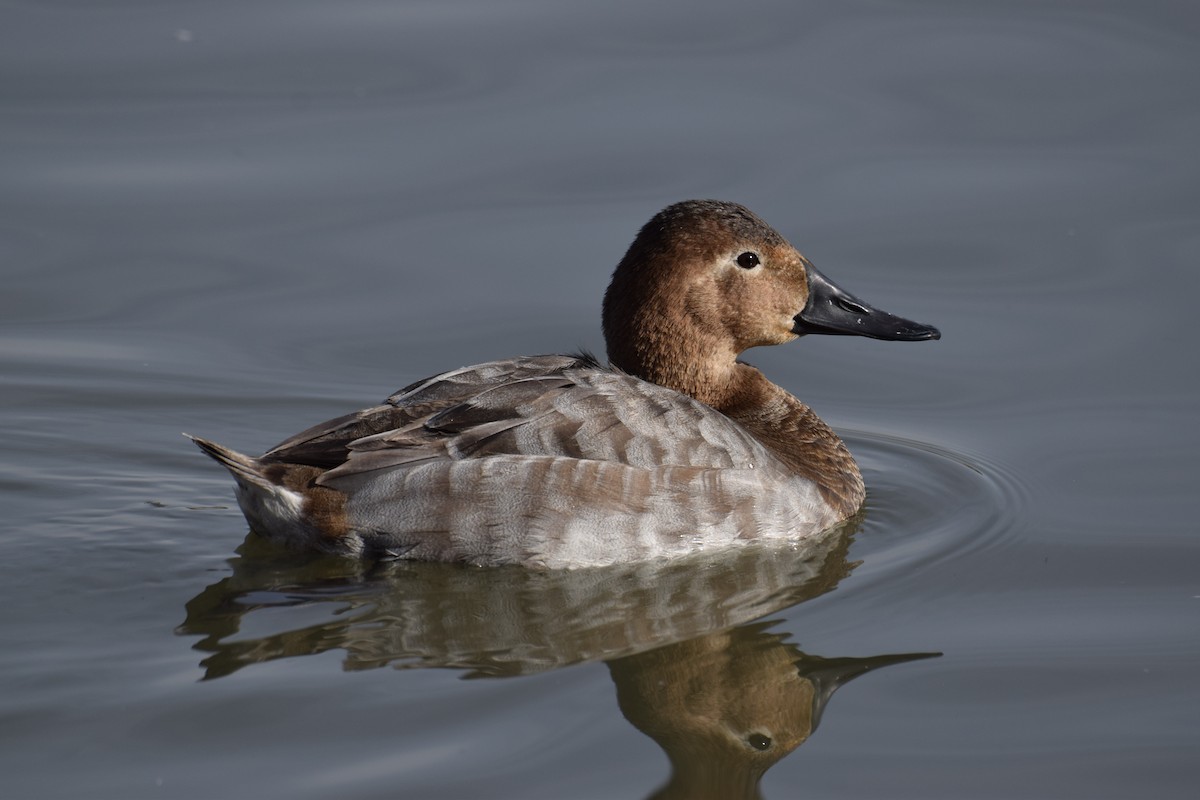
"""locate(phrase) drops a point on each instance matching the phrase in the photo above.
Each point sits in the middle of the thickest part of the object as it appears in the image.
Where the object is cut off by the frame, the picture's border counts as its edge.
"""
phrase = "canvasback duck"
(558, 461)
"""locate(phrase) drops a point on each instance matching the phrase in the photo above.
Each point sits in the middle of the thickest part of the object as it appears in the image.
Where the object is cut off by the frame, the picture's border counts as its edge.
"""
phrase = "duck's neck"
(790, 429)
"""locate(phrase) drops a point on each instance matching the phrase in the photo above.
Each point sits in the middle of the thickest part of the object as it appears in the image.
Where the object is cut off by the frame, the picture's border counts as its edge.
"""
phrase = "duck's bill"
(827, 675)
(832, 310)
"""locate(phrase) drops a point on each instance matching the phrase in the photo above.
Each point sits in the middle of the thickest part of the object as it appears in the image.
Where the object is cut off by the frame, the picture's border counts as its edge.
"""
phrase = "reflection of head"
(726, 706)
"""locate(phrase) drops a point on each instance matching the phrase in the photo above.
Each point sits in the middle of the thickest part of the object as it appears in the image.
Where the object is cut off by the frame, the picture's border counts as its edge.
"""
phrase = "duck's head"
(705, 280)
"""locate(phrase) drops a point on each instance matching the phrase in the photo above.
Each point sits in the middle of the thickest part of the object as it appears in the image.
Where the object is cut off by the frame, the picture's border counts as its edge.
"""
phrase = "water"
(240, 219)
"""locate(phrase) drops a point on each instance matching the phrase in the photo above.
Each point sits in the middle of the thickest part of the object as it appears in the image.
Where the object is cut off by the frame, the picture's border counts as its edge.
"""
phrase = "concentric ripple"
(928, 504)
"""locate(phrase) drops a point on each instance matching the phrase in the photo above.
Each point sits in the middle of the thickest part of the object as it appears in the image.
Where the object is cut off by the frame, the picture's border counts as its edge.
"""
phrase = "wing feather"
(589, 414)
(327, 444)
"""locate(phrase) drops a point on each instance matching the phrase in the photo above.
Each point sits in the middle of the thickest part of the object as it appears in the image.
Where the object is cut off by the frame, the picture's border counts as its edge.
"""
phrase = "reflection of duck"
(503, 621)
(726, 706)
(557, 461)
(722, 695)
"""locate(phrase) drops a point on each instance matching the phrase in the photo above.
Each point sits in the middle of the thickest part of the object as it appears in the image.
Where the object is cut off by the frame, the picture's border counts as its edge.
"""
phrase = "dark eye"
(747, 260)
(759, 742)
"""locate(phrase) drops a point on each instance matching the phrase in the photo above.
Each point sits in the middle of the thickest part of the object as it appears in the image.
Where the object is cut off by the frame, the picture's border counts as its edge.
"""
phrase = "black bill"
(832, 310)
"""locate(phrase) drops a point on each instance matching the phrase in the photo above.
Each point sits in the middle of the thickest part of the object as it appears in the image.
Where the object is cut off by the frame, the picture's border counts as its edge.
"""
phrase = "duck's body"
(557, 461)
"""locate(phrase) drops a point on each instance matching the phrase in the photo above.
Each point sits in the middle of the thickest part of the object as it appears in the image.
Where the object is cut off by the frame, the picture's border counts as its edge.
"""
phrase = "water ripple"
(928, 505)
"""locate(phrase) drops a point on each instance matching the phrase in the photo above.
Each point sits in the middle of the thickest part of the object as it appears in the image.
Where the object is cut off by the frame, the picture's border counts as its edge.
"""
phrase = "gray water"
(238, 219)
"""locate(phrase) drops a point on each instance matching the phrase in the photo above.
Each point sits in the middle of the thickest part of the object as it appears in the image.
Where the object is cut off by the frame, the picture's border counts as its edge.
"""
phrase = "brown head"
(706, 280)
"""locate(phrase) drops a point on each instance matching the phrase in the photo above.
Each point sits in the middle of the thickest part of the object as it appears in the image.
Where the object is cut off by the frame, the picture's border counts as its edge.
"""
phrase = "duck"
(676, 445)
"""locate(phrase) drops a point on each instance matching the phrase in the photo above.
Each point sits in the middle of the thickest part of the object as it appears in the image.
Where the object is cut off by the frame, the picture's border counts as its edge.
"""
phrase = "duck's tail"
(245, 470)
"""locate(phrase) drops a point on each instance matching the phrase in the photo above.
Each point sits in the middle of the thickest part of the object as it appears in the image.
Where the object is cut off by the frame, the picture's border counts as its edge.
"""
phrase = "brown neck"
(684, 359)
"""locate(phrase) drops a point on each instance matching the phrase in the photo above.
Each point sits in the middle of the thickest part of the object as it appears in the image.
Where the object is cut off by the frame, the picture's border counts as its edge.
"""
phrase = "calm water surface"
(238, 219)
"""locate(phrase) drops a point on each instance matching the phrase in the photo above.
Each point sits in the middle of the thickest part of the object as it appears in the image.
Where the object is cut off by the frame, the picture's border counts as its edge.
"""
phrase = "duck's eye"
(759, 742)
(748, 260)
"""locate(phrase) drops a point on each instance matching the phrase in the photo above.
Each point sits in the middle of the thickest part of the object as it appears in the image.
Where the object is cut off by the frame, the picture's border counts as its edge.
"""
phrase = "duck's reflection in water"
(723, 695)
(726, 706)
